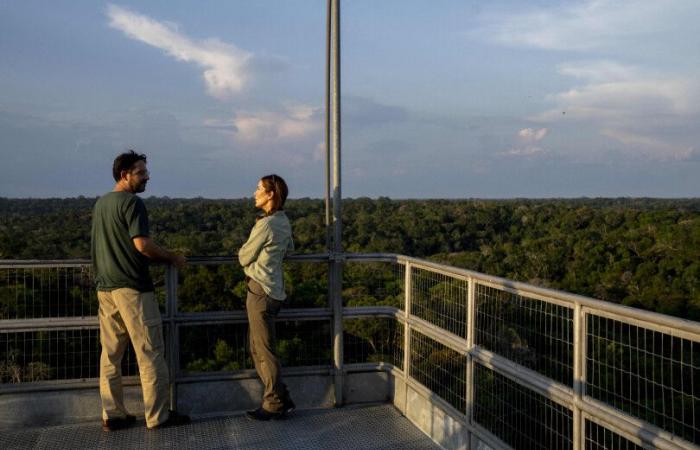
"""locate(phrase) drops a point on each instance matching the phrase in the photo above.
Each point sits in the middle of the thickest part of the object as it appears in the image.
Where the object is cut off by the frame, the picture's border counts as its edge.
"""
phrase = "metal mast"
(335, 247)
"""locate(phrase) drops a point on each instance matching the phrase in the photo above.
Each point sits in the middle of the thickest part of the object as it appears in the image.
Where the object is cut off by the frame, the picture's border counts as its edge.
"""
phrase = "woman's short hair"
(278, 187)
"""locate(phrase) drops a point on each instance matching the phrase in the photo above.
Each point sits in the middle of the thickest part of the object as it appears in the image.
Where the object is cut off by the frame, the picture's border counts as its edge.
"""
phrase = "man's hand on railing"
(147, 247)
(179, 261)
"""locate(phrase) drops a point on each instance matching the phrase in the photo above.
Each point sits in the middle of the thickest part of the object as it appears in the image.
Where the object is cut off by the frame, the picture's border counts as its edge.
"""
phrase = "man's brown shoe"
(263, 415)
(118, 423)
(288, 406)
(175, 419)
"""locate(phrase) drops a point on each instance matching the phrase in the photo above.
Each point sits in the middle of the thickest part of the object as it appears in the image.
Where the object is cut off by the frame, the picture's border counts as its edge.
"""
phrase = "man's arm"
(153, 251)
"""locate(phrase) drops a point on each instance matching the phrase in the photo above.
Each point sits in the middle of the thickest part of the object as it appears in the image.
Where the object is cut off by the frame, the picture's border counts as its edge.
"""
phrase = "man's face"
(137, 177)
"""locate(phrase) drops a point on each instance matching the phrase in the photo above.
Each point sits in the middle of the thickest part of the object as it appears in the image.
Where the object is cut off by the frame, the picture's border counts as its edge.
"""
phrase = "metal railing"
(519, 366)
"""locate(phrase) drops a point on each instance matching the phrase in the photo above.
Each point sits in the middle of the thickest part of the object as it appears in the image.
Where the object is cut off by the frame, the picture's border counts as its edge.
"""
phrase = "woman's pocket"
(273, 306)
(255, 288)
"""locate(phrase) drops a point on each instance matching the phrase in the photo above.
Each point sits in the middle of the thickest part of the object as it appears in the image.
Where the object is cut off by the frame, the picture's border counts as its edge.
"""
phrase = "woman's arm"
(251, 249)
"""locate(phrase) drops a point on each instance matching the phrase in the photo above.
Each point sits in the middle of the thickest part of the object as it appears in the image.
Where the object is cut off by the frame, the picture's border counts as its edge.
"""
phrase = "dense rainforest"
(638, 252)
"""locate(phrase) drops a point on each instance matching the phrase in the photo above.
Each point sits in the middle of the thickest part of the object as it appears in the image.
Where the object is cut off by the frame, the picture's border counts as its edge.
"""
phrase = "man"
(121, 253)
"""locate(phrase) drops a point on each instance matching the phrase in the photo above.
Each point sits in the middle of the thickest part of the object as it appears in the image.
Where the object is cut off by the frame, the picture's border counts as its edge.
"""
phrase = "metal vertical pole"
(337, 277)
(328, 131)
(327, 221)
(471, 323)
(336, 128)
(173, 344)
(579, 359)
(407, 289)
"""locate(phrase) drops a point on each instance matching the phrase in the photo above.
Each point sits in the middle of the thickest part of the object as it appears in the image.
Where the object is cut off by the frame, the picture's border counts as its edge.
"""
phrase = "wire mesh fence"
(600, 438)
(304, 343)
(306, 284)
(40, 292)
(440, 369)
(519, 416)
(373, 284)
(373, 340)
(207, 288)
(649, 374)
(158, 275)
(214, 348)
(533, 333)
(53, 292)
(222, 287)
(440, 299)
(224, 347)
(32, 356)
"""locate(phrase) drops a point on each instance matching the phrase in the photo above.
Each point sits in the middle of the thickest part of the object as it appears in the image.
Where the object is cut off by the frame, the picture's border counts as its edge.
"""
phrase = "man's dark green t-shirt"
(117, 218)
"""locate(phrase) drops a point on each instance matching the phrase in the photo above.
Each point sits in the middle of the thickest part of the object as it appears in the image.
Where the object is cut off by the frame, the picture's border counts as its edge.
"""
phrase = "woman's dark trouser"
(262, 311)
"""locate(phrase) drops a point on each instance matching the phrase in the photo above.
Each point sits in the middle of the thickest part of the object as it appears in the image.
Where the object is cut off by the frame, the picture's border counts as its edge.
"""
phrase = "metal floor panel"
(359, 427)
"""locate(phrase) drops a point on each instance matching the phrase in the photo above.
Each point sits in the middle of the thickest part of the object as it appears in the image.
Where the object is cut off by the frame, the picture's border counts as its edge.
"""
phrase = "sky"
(440, 99)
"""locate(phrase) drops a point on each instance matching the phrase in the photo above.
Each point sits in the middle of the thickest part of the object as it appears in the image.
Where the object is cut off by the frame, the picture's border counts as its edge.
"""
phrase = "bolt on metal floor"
(356, 427)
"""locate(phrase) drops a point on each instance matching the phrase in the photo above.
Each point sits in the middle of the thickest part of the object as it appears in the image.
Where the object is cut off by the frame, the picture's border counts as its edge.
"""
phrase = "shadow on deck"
(354, 427)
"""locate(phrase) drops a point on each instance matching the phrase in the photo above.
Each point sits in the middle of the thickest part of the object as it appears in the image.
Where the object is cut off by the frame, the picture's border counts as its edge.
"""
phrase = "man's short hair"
(126, 161)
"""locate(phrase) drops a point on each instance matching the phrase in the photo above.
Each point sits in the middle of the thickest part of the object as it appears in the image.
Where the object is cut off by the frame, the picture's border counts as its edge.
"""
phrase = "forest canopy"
(638, 252)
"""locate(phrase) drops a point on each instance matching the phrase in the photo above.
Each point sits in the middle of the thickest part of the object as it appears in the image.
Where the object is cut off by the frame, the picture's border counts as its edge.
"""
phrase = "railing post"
(333, 71)
(471, 323)
(336, 280)
(407, 332)
(171, 276)
(579, 358)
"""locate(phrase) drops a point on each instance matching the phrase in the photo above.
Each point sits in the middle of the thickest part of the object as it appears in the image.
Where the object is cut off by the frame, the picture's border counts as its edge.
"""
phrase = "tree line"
(639, 252)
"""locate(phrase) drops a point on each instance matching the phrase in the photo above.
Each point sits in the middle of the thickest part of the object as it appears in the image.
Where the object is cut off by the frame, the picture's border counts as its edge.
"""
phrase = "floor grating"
(379, 427)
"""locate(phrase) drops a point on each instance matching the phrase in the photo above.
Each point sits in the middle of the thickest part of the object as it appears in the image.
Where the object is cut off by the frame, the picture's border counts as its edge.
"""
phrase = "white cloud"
(627, 104)
(612, 91)
(296, 122)
(532, 135)
(528, 143)
(225, 65)
(648, 146)
(599, 71)
(586, 25)
(633, 107)
(530, 150)
(291, 137)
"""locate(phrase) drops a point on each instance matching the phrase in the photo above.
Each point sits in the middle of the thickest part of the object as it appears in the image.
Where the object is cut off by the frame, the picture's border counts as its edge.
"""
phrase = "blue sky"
(441, 99)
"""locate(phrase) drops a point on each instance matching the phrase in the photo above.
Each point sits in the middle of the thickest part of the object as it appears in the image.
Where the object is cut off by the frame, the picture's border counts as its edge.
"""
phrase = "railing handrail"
(573, 299)
(19, 263)
(652, 317)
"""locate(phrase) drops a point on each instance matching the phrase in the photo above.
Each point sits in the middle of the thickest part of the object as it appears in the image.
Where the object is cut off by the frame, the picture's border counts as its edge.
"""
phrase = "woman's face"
(263, 199)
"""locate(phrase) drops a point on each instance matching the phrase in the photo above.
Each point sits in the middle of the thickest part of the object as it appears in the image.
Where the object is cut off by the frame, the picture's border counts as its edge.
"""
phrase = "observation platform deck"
(353, 427)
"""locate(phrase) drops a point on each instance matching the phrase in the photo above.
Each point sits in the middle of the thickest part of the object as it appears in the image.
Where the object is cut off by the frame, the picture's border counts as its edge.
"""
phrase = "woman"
(261, 257)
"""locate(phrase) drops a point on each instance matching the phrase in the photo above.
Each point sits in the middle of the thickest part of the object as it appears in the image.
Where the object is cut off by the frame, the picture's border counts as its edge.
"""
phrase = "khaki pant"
(129, 314)
(262, 311)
